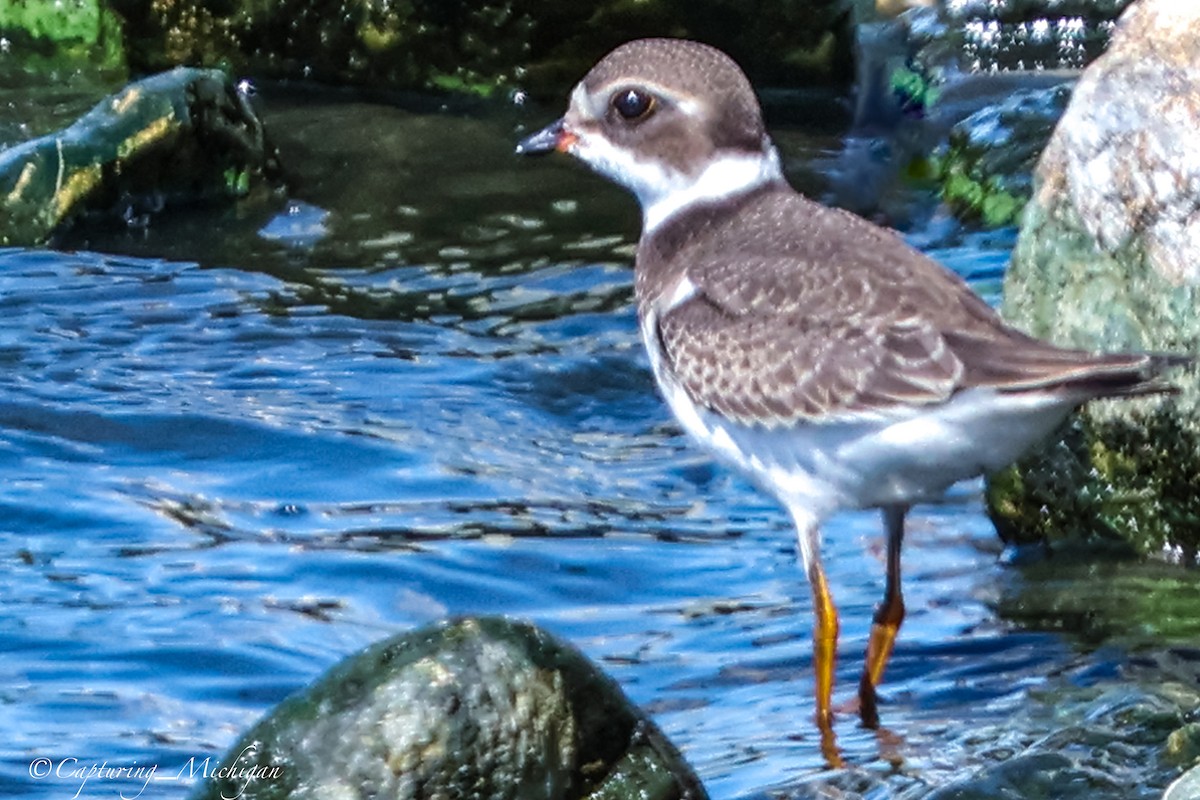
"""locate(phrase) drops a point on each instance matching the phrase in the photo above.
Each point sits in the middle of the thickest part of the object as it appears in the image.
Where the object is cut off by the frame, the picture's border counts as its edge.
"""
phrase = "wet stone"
(480, 707)
(1186, 788)
(1096, 750)
(1183, 745)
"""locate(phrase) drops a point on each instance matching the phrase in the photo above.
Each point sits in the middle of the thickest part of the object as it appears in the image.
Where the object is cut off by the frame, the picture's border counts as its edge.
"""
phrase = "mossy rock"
(181, 136)
(41, 36)
(479, 707)
(1112, 483)
(1124, 474)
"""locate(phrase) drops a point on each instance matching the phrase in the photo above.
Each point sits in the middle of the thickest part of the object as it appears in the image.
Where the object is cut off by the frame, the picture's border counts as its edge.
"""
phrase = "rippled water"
(231, 460)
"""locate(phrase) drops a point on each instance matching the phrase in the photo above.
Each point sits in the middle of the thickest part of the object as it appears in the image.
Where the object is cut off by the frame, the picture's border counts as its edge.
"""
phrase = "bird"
(817, 353)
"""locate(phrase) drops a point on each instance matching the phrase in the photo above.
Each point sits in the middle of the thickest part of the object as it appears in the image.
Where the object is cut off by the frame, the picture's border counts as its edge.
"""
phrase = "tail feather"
(1025, 364)
(1144, 378)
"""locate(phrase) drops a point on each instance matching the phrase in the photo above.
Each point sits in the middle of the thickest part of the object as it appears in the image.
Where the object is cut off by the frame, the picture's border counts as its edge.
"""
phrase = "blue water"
(234, 462)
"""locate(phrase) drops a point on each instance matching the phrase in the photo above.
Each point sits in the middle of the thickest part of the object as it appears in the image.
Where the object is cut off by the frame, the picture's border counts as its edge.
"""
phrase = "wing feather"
(806, 313)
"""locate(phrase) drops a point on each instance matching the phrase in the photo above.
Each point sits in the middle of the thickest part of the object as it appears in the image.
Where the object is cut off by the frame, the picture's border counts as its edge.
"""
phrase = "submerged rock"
(1136, 604)
(1109, 258)
(483, 707)
(300, 226)
(1106, 742)
(183, 135)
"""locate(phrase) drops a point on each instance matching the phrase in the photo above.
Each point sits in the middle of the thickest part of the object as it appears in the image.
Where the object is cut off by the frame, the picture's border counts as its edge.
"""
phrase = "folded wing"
(803, 332)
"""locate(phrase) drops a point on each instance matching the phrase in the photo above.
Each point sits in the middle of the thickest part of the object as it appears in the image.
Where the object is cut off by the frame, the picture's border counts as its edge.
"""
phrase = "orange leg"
(888, 618)
(825, 636)
(825, 630)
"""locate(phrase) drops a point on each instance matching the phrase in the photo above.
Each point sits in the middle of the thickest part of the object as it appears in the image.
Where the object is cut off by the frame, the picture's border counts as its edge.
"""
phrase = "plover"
(821, 355)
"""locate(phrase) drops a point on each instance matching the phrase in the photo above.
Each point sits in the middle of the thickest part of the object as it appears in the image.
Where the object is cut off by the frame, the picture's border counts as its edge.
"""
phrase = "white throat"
(729, 175)
(663, 192)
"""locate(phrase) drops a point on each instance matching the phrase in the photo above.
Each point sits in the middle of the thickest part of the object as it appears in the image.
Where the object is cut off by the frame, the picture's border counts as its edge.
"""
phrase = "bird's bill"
(554, 136)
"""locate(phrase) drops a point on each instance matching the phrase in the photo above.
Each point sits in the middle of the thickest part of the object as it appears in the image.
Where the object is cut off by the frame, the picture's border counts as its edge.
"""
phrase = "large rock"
(1109, 258)
(1187, 787)
(479, 708)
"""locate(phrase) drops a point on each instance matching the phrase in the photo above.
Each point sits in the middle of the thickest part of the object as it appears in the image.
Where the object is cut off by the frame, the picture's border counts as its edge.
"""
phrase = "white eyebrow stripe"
(662, 190)
(580, 99)
(689, 106)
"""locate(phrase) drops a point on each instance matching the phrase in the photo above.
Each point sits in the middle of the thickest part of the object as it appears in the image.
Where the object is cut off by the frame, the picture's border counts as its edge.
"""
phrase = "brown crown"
(694, 69)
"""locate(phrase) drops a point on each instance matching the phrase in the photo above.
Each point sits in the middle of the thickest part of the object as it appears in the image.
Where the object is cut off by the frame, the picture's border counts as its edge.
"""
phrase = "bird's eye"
(633, 103)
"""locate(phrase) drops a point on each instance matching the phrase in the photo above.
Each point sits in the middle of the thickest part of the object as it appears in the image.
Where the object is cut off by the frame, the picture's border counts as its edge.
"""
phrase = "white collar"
(728, 176)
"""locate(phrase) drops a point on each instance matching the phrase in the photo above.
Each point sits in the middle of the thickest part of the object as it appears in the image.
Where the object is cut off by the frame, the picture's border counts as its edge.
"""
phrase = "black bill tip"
(550, 138)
